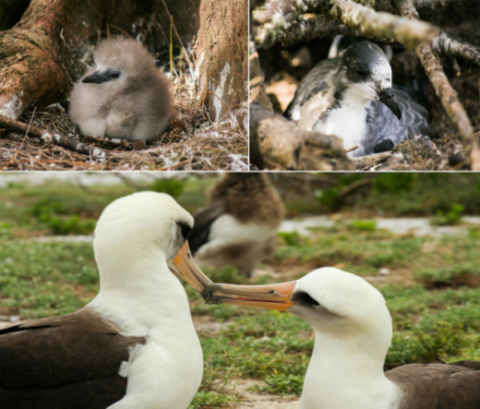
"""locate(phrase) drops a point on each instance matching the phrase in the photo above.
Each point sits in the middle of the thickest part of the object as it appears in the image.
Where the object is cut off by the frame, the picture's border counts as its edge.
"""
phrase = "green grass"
(432, 289)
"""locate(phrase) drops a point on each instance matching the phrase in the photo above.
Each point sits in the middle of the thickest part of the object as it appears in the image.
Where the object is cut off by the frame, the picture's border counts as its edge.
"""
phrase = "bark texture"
(221, 51)
(40, 56)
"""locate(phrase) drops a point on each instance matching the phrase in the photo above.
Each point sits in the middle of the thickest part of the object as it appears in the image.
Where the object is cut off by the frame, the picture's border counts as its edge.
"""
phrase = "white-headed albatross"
(239, 226)
(134, 345)
(353, 331)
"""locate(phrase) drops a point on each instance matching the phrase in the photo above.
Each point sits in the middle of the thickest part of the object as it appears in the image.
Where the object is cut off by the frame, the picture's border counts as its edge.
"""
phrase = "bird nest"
(192, 141)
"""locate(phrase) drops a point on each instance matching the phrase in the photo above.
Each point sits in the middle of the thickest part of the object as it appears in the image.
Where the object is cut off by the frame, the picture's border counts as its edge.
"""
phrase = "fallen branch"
(276, 143)
(281, 21)
(448, 96)
(48, 137)
(379, 24)
(306, 30)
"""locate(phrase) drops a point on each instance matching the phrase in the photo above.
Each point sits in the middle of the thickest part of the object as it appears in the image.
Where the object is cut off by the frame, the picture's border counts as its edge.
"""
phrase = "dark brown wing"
(203, 222)
(94, 394)
(438, 386)
(62, 361)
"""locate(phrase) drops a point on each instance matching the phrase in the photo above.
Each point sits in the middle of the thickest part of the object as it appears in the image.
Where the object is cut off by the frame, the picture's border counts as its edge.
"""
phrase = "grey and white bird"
(238, 228)
(334, 97)
(353, 331)
(123, 95)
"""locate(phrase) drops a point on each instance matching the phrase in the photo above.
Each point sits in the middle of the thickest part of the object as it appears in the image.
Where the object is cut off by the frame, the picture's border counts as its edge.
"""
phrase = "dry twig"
(445, 45)
(448, 96)
(46, 136)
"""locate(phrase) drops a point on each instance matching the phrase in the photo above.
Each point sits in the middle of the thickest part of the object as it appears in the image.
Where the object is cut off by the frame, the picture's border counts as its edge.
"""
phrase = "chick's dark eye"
(185, 229)
(112, 74)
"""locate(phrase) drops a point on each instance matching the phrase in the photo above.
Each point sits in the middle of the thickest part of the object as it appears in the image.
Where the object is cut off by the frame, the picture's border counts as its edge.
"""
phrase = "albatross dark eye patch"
(185, 229)
(305, 299)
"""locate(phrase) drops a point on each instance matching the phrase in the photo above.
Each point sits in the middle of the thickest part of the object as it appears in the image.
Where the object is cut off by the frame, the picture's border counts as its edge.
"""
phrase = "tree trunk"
(40, 56)
(221, 50)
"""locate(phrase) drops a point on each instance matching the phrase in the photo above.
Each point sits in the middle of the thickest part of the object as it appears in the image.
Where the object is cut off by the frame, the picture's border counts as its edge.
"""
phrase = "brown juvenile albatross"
(134, 345)
(239, 227)
(353, 330)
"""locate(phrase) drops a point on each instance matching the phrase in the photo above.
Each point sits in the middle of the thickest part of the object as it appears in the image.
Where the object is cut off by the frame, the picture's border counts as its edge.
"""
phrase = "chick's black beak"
(99, 77)
(388, 98)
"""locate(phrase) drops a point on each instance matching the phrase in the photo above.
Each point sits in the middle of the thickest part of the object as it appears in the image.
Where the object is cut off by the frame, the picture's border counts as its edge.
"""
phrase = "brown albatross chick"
(239, 226)
(123, 95)
(353, 331)
(134, 345)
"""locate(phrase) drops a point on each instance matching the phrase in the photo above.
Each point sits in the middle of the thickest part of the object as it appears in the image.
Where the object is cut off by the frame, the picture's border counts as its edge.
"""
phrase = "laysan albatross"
(353, 331)
(238, 228)
(134, 345)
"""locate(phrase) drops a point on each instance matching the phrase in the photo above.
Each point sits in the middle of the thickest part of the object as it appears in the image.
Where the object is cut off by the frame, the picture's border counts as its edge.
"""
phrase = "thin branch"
(187, 58)
(46, 136)
(448, 96)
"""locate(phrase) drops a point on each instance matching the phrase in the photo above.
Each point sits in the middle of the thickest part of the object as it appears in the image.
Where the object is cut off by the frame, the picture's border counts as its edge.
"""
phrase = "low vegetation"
(431, 284)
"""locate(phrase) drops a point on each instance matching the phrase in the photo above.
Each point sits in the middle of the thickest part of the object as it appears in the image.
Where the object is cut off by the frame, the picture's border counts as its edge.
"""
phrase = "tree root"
(48, 137)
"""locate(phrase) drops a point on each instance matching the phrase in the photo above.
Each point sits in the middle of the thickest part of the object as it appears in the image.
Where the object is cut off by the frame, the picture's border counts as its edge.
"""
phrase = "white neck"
(348, 121)
(139, 293)
(343, 374)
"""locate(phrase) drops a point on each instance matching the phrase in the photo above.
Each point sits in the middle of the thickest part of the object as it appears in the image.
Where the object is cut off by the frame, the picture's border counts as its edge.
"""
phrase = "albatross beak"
(388, 98)
(274, 296)
(185, 266)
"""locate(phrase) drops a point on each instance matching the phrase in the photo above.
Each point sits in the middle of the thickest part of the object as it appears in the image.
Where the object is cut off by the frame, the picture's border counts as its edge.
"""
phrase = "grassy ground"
(432, 287)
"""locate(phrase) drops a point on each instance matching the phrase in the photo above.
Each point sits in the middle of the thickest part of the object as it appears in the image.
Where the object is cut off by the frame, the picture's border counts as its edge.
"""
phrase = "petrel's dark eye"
(362, 73)
(185, 229)
(305, 299)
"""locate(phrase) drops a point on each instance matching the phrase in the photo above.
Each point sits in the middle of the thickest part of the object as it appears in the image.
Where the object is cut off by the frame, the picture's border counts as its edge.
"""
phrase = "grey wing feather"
(383, 124)
(311, 84)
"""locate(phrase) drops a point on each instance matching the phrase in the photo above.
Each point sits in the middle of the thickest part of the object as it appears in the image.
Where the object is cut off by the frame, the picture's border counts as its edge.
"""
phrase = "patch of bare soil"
(191, 142)
(206, 326)
(245, 389)
(385, 276)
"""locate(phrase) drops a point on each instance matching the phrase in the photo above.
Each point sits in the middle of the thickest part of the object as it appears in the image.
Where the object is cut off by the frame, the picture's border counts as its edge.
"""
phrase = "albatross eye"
(305, 299)
(185, 229)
